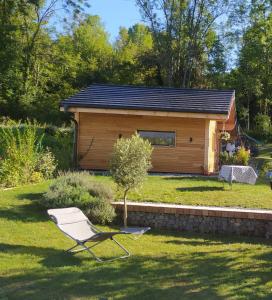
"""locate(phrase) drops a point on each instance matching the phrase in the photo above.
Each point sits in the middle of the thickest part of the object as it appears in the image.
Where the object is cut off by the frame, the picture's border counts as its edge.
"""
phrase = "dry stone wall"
(247, 222)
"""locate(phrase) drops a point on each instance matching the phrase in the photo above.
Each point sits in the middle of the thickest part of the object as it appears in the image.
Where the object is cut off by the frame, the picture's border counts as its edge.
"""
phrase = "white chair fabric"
(72, 222)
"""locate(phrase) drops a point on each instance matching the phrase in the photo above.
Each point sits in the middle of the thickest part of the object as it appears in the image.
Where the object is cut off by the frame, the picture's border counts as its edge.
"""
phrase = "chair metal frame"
(98, 238)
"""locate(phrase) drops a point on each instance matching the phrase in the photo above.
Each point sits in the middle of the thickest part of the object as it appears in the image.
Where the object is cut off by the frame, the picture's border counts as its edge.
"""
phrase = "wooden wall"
(104, 129)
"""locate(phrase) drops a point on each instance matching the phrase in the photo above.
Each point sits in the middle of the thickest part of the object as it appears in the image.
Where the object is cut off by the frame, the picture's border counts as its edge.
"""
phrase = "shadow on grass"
(28, 212)
(51, 257)
(30, 196)
(192, 275)
(201, 189)
(191, 178)
(207, 239)
(31, 212)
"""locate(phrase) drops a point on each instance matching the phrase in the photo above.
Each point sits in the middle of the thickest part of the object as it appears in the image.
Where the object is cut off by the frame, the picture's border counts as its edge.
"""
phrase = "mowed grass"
(163, 265)
(199, 191)
(265, 154)
(205, 191)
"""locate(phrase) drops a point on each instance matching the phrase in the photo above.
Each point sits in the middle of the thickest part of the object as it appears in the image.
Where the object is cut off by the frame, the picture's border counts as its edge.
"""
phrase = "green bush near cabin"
(57, 140)
(241, 157)
(23, 158)
(80, 190)
(60, 141)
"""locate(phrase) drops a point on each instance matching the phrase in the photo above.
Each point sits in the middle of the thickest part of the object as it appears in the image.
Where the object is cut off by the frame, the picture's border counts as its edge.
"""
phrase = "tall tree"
(184, 34)
(134, 59)
(25, 44)
(254, 76)
(76, 59)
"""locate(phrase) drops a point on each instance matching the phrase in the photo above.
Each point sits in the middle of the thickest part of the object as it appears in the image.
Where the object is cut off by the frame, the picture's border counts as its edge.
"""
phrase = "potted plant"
(225, 136)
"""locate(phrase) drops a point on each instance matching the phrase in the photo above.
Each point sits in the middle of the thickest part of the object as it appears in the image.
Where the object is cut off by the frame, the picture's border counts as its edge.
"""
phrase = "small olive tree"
(129, 164)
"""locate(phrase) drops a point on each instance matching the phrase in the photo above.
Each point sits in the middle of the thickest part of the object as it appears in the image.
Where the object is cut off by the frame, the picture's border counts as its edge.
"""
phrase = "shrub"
(46, 165)
(129, 164)
(101, 211)
(225, 159)
(59, 140)
(61, 194)
(78, 189)
(76, 178)
(267, 166)
(36, 177)
(102, 191)
(22, 152)
(241, 157)
(69, 189)
(10, 175)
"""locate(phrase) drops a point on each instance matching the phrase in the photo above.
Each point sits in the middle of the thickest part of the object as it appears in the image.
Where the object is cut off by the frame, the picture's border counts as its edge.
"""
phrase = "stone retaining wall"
(249, 222)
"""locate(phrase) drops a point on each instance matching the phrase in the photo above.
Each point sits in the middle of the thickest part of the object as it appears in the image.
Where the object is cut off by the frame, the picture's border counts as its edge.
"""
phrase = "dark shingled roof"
(152, 99)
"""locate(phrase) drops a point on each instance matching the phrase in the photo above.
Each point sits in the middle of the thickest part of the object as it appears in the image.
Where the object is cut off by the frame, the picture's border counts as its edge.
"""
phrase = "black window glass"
(159, 138)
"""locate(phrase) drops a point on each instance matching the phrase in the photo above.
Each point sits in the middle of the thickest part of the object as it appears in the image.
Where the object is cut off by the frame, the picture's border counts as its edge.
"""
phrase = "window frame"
(162, 131)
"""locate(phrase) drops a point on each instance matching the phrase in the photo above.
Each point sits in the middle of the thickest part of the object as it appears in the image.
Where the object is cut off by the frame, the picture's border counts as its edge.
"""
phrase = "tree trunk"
(125, 209)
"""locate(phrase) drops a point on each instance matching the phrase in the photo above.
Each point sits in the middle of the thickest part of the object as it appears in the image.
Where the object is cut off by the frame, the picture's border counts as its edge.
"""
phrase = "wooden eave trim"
(232, 106)
(231, 120)
(219, 117)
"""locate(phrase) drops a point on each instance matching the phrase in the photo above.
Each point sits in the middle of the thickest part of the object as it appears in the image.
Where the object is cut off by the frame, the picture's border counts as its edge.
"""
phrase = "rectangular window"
(159, 138)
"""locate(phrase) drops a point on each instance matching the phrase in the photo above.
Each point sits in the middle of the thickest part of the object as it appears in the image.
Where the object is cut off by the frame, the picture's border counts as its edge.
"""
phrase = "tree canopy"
(192, 44)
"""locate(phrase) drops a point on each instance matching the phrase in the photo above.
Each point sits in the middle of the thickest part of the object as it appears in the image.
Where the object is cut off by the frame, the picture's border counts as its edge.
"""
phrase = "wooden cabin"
(183, 125)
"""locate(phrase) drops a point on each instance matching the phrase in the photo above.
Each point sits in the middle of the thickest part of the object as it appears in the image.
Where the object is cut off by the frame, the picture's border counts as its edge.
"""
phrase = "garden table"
(244, 174)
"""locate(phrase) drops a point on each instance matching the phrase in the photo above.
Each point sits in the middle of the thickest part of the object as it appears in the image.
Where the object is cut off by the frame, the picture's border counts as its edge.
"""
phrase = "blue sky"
(115, 13)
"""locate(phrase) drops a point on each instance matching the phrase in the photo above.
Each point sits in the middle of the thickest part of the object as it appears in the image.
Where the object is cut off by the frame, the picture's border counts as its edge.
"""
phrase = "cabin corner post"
(206, 148)
(209, 150)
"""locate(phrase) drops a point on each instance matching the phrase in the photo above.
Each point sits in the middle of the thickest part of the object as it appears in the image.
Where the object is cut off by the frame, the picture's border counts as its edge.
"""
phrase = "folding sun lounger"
(74, 224)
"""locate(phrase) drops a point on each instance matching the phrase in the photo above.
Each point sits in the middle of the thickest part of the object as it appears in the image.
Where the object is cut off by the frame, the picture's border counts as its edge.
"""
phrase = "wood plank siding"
(211, 147)
(188, 155)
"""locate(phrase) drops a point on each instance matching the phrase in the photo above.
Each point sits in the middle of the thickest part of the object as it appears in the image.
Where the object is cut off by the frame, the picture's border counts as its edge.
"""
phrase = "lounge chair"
(73, 223)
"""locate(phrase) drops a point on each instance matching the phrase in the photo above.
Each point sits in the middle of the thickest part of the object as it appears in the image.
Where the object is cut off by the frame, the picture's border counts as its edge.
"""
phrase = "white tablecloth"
(244, 174)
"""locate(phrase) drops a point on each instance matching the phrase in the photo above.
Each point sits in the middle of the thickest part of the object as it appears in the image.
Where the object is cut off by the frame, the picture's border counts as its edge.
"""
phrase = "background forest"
(180, 43)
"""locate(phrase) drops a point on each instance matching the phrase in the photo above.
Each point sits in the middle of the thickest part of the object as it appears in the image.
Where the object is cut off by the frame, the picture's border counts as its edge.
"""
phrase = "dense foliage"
(241, 157)
(79, 190)
(266, 167)
(56, 140)
(131, 159)
(202, 43)
(59, 140)
(23, 158)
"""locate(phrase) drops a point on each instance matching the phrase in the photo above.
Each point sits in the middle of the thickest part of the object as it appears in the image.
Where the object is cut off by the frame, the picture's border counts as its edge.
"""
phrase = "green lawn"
(200, 191)
(164, 264)
(265, 154)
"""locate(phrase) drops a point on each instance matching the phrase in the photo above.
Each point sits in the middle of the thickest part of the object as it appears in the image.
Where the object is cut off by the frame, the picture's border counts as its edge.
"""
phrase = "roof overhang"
(231, 121)
(210, 116)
